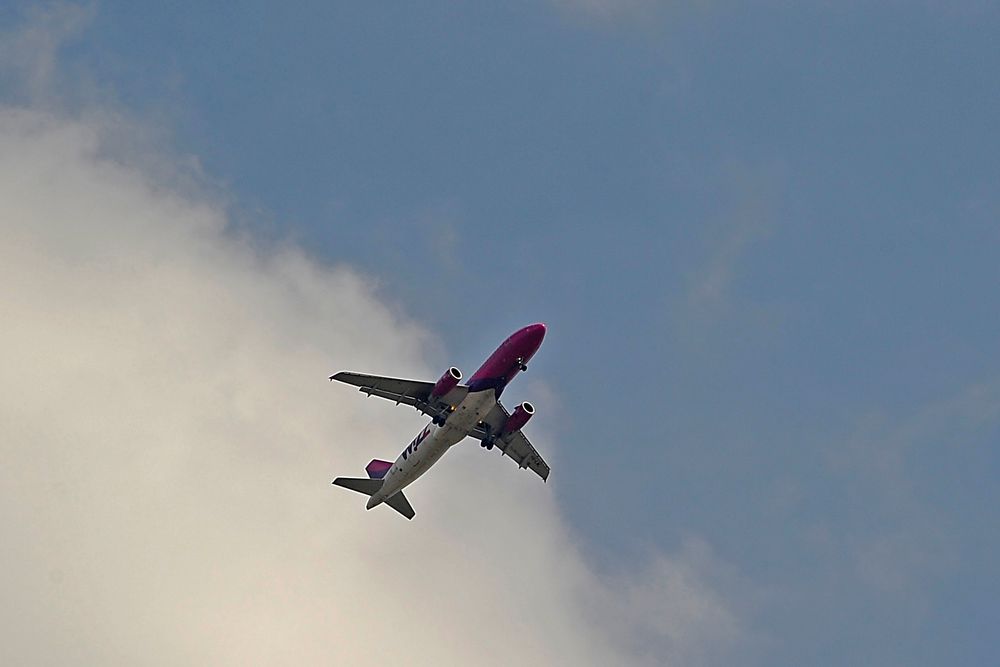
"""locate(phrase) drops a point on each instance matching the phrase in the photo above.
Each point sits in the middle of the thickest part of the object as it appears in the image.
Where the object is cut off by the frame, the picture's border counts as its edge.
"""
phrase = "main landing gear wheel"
(439, 420)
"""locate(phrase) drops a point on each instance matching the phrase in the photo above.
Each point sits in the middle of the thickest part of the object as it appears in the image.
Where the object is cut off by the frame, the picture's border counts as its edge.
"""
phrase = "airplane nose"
(530, 338)
(536, 331)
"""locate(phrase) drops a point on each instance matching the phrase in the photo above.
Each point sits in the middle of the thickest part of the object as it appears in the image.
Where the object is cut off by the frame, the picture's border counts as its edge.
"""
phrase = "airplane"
(456, 411)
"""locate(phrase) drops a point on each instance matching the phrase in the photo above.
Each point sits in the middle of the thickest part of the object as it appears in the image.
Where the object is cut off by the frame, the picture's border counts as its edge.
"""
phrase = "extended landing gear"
(489, 439)
(520, 364)
(439, 420)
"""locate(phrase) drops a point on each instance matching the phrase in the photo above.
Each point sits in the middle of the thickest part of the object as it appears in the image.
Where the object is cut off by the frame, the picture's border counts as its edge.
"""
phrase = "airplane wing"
(514, 445)
(409, 392)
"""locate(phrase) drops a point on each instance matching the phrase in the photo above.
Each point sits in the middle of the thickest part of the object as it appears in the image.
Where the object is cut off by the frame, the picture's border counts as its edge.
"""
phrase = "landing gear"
(489, 439)
(520, 364)
(440, 419)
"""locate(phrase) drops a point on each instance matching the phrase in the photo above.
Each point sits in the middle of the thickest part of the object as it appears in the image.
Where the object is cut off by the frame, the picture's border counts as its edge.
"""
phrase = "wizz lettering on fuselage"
(412, 447)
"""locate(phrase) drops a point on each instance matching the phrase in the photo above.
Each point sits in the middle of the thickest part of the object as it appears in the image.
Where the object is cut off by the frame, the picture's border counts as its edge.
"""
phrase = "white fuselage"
(432, 442)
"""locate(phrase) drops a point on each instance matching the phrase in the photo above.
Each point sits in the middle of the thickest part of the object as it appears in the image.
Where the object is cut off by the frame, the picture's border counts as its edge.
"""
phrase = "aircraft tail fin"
(377, 468)
(360, 484)
(399, 503)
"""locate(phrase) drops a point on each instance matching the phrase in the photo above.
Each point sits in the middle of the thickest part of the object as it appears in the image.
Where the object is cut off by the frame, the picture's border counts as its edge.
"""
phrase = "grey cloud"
(904, 540)
(29, 54)
(636, 12)
(605, 8)
(750, 198)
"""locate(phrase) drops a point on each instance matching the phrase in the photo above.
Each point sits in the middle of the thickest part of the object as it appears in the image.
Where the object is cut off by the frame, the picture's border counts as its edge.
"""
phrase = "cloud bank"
(170, 436)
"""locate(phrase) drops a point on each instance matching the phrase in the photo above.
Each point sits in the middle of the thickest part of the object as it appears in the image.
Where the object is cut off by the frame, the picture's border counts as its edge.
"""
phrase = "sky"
(764, 237)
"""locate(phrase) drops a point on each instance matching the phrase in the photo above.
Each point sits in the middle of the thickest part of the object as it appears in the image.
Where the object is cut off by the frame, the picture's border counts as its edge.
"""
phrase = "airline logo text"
(416, 442)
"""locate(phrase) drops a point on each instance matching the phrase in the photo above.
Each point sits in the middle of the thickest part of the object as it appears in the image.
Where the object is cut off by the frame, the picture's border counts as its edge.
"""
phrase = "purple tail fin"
(377, 469)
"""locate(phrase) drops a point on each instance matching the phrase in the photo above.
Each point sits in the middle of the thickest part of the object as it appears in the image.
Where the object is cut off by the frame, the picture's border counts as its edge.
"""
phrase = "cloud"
(748, 217)
(29, 54)
(605, 9)
(636, 12)
(170, 436)
(906, 539)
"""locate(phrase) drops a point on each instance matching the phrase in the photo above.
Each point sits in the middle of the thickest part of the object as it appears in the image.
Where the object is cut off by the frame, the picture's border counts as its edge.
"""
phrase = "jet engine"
(446, 383)
(518, 418)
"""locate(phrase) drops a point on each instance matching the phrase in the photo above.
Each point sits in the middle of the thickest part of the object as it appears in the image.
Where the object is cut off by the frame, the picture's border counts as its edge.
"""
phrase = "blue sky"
(764, 237)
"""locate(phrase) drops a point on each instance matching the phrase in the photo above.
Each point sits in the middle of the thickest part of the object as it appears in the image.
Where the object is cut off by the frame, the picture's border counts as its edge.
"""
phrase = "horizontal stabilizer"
(399, 503)
(366, 486)
(377, 469)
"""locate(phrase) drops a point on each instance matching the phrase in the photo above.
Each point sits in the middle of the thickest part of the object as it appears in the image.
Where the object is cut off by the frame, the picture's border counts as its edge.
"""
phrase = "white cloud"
(169, 439)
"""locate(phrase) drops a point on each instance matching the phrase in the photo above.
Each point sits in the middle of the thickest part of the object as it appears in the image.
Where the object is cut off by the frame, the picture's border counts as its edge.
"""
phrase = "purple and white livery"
(456, 411)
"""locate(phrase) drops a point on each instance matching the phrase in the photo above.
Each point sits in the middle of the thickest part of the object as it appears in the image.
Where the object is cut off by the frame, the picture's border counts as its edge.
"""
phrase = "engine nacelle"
(446, 383)
(518, 418)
